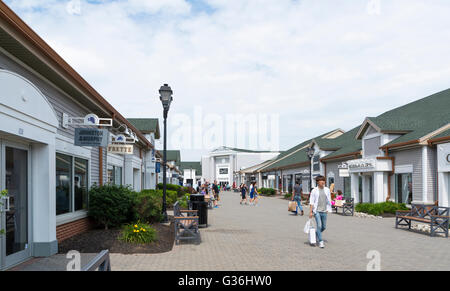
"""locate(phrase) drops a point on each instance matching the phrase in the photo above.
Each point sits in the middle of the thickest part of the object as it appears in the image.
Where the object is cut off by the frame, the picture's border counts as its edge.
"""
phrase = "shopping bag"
(339, 203)
(292, 206)
(312, 235)
(307, 227)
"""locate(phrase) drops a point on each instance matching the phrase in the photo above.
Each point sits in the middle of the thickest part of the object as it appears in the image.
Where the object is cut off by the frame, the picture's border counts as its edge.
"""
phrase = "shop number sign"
(120, 149)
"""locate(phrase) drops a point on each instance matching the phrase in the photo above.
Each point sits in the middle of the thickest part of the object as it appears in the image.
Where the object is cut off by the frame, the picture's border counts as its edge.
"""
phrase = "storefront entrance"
(15, 214)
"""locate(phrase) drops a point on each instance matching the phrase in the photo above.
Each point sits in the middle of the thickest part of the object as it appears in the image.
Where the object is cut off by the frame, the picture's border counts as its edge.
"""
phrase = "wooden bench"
(186, 224)
(437, 217)
(348, 207)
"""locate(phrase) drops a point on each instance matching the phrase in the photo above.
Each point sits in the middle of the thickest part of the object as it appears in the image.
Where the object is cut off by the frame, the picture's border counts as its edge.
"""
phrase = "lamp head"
(166, 96)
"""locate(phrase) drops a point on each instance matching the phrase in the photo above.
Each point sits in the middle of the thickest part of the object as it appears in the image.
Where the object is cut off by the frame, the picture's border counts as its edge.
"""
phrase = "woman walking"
(243, 188)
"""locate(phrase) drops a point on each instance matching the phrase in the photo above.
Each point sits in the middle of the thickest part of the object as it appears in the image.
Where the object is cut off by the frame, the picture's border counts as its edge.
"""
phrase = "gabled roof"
(298, 154)
(414, 120)
(346, 145)
(146, 125)
(224, 148)
(174, 155)
(192, 165)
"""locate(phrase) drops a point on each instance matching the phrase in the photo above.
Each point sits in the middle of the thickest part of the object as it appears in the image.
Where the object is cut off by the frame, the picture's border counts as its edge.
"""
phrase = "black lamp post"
(166, 98)
(310, 156)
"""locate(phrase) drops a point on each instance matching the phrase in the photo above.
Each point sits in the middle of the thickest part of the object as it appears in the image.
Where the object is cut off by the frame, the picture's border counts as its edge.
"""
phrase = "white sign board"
(444, 157)
(120, 149)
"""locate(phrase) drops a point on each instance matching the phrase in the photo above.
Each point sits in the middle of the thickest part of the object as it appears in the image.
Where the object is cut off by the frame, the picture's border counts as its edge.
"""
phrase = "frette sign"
(120, 149)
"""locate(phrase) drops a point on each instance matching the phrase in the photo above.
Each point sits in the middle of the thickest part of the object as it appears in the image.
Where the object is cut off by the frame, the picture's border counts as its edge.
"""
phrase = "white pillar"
(354, 182)
(379, 187)
(425, 174)
(43, 203)
(444, 189)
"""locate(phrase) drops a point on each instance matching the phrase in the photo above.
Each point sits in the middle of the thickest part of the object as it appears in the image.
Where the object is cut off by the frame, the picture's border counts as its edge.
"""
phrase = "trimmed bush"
(148, 206)
(139, 233)
(171, 187)
(111, 205)
(380, 208)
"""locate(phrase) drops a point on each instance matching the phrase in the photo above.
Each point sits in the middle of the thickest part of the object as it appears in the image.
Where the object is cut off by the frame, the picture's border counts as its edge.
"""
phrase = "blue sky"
(318, 65)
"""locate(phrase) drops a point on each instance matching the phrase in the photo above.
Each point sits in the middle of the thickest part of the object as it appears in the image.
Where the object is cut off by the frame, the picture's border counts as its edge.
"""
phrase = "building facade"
(46, 175)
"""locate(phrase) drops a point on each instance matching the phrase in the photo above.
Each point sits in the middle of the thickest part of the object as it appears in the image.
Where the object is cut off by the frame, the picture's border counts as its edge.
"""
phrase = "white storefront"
(443, 156)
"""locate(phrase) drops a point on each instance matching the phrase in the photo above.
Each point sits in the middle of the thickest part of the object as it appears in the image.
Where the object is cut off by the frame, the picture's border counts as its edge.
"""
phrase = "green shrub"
(268, 191)
(148, 206)
(380, 208)
(139, 233)
(288, 196)
(171, 187)
(184, 201)
(111, 205)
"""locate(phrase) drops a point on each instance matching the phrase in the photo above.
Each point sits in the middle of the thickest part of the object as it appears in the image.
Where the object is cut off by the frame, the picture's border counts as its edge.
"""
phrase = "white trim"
(63, 146)
(424, 173)
(404, 169)
(70, 217)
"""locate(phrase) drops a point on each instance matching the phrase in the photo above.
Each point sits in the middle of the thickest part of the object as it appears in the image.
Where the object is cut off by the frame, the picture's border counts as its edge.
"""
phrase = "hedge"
(267, 191)
(380, 208)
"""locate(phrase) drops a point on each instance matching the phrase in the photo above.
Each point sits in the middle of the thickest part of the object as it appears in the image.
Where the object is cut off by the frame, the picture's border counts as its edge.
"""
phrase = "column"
(354, 182)
(43, 203)
(379, 187)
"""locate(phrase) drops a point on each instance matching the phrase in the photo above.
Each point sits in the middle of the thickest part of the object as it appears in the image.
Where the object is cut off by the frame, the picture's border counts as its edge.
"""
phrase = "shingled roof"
(146, 125)
(192, 165)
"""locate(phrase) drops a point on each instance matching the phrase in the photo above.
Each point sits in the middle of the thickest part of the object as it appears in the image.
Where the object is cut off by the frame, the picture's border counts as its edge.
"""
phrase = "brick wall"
(70, 229)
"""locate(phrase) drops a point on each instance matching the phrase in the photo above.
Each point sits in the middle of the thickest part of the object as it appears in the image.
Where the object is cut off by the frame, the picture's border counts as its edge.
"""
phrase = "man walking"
(297, 197)
(215, 189)
(320, 205)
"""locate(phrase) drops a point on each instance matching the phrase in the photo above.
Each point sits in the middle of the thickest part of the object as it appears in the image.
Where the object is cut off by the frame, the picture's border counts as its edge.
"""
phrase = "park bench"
(437, 217)
(101, 262)
(348, 207)
(186, 224)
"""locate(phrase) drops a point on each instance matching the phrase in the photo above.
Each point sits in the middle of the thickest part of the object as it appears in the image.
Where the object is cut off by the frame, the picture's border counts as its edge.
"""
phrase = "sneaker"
(321, 245)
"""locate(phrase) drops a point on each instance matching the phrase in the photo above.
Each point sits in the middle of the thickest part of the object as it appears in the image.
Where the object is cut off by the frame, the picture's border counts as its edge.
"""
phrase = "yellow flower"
(137, 230)
(135, 225)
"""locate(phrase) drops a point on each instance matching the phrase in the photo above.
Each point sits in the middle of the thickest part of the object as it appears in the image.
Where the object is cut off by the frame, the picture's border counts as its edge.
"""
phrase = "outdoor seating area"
(437, 217)
(347, 206)
(186, 224)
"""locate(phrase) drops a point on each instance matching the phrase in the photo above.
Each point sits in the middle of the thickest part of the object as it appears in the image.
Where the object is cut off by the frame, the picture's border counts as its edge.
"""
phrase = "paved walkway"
(268, 237)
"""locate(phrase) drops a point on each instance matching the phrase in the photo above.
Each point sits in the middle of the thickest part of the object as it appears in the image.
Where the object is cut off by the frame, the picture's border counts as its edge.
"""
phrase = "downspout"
(386, 154)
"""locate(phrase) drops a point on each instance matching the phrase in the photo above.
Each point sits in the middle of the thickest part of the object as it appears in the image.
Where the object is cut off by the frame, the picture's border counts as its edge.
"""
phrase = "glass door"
(15, 215)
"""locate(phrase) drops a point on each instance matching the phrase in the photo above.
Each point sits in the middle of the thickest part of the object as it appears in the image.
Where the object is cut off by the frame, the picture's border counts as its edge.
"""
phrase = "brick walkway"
(268, 237)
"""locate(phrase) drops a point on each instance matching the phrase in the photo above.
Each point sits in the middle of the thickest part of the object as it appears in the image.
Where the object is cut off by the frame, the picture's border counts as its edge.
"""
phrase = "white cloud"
(319, 64)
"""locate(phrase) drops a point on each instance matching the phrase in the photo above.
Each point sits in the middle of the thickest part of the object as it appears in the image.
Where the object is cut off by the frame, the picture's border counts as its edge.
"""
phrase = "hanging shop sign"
(158, 167)
(120, 149)
(91, 137)
(88, 120)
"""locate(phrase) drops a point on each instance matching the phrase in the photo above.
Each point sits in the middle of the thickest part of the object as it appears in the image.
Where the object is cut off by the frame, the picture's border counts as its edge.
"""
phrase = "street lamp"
(310, 156)
(166, 98)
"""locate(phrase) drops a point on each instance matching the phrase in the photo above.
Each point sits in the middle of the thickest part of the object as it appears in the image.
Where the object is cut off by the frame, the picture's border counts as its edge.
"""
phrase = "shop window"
(71, 184)
(114, 175)
(403, 188)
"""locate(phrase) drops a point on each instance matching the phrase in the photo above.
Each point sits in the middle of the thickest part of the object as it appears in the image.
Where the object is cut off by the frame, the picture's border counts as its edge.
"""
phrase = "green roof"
(291, 157)
(146, 125)
(346, 144)
(417, 118)
(192, 165)
(246, 151)
(173, 155)
(443, 134)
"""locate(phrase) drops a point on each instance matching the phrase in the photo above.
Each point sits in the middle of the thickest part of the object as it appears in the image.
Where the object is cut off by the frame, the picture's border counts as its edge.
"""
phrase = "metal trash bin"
(197, 202)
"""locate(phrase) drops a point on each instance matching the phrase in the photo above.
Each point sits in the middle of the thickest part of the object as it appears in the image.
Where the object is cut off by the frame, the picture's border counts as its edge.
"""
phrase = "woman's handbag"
(292, 206)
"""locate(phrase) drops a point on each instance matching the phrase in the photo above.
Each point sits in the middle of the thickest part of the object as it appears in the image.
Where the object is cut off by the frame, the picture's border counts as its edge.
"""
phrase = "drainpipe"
(386, 154)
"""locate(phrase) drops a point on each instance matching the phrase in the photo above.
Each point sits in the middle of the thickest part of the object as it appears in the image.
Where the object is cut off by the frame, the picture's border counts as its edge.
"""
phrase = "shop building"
(442, 144)
(191, 173)
(223, 164)
(47, 176)
(294, 165)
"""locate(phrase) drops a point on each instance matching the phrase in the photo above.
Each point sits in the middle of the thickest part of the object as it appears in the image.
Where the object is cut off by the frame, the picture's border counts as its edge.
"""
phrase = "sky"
(305, 66)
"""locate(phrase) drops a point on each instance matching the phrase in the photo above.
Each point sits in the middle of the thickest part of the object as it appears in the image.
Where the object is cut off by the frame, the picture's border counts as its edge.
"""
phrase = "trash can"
(197, 202)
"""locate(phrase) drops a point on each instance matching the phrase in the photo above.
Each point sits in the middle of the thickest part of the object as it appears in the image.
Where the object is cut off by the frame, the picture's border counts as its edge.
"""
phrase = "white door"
(15, 214)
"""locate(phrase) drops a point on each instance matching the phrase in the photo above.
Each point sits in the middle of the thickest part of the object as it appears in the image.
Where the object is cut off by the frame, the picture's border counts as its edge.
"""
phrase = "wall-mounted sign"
(343, 166)
(344, 173)
(91, 137)
(158, 167)
(120, 149)
(361, 164)
(448, 158)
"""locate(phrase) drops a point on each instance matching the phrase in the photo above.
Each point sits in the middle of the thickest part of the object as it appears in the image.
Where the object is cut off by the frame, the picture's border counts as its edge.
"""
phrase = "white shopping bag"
(307, 226)
(312, 235)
